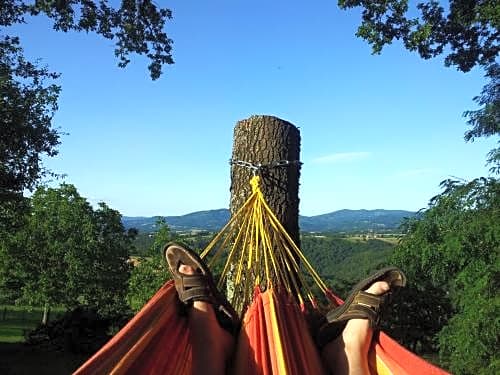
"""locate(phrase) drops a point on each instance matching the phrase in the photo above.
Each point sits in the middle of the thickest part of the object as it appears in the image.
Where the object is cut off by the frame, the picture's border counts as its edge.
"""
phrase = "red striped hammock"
(274, 338)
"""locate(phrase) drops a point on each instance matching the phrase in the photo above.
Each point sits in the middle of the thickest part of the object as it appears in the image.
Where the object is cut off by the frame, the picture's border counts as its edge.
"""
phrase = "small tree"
(57, 243)
(151, 272)
(68, 254)
(107, 288)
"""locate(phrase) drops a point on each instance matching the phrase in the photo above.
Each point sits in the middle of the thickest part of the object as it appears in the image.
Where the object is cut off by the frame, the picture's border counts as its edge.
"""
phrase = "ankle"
(203, 306)
(357, 336)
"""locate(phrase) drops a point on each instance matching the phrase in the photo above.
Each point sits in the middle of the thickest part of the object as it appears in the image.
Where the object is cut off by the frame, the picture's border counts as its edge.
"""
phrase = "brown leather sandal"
(200, 286)
(360, 304)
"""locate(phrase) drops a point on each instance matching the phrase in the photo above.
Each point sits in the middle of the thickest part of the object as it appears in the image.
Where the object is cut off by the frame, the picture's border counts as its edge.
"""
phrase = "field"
(391, 239)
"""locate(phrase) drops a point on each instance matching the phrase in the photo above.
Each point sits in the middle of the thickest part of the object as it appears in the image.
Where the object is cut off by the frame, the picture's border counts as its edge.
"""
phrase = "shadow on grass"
(21, 359)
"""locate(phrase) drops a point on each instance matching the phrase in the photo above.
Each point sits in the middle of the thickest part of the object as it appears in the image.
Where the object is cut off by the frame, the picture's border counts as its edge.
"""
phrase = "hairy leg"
(212, 345)
(348, 353)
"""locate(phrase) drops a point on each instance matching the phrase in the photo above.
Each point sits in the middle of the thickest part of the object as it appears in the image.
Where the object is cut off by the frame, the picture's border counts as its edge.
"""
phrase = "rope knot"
(255, 183)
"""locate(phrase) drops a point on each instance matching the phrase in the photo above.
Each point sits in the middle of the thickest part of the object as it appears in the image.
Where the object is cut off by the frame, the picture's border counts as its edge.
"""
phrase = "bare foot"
(348, 353)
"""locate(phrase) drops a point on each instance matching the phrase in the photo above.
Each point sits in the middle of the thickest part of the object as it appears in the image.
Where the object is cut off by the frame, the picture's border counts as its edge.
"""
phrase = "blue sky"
(377, 131)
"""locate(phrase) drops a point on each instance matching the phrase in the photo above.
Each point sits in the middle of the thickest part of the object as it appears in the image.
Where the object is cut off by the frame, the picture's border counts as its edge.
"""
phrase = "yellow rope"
(260, 253)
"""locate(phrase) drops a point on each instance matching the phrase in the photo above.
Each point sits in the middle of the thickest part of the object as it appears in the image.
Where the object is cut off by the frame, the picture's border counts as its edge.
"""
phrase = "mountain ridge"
(344, 220)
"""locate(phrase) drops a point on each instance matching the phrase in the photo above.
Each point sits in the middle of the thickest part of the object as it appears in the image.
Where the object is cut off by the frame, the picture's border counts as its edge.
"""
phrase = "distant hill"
(211, 220)
(337, 221)
(354, 220)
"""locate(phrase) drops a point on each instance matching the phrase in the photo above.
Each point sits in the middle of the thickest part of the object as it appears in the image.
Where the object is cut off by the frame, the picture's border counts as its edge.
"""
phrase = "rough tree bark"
(264, 140)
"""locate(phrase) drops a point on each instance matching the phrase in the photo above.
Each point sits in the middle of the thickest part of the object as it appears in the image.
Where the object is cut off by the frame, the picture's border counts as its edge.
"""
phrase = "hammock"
(272, 285)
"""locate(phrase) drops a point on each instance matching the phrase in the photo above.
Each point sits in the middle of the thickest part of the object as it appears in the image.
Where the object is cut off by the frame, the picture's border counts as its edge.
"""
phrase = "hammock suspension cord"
(260, 253)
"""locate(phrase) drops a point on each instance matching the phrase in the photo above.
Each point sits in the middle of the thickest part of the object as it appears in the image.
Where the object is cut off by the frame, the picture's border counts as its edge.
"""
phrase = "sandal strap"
(193, 281)
(196, 294)
(369, 300)
(194, 288)
(365, 306)
(360, 304)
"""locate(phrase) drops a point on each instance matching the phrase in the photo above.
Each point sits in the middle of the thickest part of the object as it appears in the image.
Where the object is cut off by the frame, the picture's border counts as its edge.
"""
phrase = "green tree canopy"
(29, 93)
(150, 272)
(109, 262)
(485, 121)
(465, 32)
(454, 249)
(68, 253)
(57, 243)
(136, 26)
(28, 99)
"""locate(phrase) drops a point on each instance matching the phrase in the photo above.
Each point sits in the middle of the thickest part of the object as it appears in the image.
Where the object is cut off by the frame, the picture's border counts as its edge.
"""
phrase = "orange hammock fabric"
(155, 341)
(270, 280)
(274, 339)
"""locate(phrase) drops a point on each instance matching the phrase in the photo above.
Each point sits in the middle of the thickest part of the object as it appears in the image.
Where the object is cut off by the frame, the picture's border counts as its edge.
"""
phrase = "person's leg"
(212, 320)
(348, 353)
(211, 344)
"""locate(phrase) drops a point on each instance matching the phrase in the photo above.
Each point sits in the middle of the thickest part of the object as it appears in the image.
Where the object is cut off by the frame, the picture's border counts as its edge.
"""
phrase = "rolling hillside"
(337, 221)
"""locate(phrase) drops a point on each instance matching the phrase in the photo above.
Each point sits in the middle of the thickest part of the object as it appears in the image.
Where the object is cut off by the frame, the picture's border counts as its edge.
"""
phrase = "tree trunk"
(264, 140)
(46, 314)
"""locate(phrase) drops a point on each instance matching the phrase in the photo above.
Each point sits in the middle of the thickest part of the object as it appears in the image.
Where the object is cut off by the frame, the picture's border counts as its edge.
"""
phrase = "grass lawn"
(13, 330)
(17, 358)
(16, 320)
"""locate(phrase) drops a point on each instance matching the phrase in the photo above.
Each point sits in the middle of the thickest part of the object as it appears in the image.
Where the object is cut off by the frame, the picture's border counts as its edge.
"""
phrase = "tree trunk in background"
(264, 140)
(46, 314)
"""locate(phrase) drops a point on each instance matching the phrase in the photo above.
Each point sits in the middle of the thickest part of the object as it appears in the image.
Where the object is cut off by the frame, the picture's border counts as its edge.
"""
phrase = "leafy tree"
(109, 262)
(161, 237)
(68, 254)
(417, 314)
(54, 247)
(27, 104)
(452, 252)
(29, 93)
(147, 277)
(137, 26)
(150, 273)
(485, 122)
(454, 248)
(466, 32)
(142, 244)
(10, 279)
